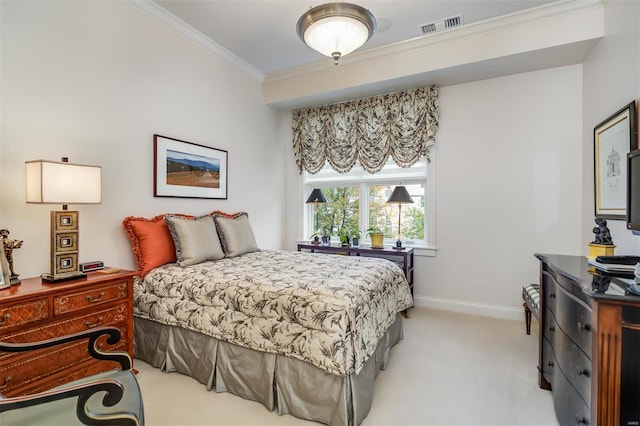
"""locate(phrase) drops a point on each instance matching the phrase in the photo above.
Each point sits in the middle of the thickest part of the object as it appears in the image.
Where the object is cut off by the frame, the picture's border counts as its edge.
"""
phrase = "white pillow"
(235, 234)
(196, 240)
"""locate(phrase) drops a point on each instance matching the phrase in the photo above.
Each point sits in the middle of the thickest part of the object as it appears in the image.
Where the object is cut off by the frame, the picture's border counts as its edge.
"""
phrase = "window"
(341, 212)
(386, 216)
(357, 201)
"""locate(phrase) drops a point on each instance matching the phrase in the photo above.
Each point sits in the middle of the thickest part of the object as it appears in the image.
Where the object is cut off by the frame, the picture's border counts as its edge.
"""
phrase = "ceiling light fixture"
(336, 29)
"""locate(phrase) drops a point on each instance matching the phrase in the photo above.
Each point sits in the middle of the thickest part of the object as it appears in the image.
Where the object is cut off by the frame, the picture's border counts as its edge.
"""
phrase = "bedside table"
(36, 310)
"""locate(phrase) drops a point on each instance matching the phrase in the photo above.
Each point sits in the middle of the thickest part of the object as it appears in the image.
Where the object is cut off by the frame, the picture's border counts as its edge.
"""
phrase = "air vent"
(441, 25)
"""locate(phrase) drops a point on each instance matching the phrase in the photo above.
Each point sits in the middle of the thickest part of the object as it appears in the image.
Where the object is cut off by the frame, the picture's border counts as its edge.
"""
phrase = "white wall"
(611, 81)
(94, 81)
(508, 184)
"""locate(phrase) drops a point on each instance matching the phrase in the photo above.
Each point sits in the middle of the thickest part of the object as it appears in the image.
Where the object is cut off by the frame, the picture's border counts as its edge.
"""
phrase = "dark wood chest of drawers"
(589, 343)
(34, 310)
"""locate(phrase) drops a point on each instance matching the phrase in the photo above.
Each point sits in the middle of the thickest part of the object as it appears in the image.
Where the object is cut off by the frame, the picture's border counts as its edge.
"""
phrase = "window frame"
(425, 173)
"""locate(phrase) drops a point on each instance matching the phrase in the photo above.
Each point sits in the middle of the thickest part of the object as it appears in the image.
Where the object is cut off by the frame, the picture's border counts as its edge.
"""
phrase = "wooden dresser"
(589, 352)
(36, 310)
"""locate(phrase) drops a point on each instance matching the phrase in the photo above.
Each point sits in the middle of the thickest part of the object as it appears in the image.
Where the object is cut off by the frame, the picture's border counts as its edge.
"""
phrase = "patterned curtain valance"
(402, 125)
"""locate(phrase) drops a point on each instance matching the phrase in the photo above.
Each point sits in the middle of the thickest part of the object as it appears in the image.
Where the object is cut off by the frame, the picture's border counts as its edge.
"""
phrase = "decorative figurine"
(603, 236)
(602, 244)
(600, 283)
(9, 246)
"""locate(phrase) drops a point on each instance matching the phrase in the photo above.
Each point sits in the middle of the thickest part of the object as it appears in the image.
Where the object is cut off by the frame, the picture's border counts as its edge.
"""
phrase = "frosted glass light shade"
(336, 34)
(336, 29)
(51, 182)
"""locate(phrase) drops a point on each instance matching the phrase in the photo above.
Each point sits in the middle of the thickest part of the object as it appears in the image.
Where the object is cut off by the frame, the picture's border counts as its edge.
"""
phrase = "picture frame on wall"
(613, 139)
(188, 170)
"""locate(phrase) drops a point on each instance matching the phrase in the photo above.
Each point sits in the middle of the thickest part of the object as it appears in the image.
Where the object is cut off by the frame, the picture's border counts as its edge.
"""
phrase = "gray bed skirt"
(289, 385)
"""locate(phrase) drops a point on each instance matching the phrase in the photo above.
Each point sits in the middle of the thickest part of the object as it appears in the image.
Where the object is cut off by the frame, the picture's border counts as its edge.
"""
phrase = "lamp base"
(50, 278)
(398, 245)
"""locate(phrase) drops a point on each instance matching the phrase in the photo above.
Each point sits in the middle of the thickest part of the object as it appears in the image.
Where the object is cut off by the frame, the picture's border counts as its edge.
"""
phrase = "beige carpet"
(450, 369)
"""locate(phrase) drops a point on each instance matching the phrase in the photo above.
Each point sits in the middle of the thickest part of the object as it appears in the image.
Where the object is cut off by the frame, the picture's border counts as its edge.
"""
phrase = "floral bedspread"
(327, 310)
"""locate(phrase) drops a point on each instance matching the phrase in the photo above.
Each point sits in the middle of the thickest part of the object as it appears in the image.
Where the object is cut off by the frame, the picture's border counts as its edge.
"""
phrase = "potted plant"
(377, 237)
(355, 237)
(315, 238)
(344, 234)
(326, 237)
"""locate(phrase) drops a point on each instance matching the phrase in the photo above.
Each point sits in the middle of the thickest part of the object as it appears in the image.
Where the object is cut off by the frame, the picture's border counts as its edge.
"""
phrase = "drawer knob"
(552, 328)
(552, 295)
(6, 382)
(89, 325)
(581, 420)
(550, 364)
(585, 327)
(5, 318)
(582, 372)
(99, 298)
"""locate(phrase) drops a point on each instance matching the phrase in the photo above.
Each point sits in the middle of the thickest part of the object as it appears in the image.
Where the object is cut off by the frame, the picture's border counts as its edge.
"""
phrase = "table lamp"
(399, 196)
(316, 197)
(51, 182)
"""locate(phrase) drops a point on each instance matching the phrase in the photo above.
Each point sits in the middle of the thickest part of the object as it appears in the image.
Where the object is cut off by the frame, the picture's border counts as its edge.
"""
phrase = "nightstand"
(36, 310)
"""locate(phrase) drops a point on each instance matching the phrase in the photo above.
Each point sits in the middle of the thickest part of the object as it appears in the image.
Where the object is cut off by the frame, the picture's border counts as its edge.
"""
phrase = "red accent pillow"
(151, 241)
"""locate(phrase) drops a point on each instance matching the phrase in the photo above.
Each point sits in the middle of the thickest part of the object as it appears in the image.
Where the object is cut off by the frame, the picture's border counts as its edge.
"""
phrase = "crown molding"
(550, 36)
(152, 9)
(550, 10)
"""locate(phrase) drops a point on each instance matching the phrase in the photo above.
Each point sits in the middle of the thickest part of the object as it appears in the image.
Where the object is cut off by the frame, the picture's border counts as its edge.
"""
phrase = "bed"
(304, 334)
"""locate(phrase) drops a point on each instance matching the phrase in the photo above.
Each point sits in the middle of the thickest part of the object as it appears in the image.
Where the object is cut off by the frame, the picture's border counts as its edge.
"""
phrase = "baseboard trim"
(495, 311)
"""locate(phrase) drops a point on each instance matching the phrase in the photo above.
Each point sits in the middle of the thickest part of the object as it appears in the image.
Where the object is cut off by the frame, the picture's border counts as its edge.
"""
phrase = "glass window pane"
(413, 214)
(385, 216)
(340, 212)
(378, 214)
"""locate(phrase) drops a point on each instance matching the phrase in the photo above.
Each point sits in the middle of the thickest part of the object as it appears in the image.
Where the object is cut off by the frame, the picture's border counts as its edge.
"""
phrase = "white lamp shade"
(336, 34)
(51, 182)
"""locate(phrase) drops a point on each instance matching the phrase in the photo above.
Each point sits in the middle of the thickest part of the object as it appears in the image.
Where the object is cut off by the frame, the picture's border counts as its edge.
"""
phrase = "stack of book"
(613, 264)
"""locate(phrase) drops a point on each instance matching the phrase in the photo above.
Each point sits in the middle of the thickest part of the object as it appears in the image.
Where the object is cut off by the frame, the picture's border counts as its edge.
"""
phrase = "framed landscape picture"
(613, 138)
(189, 170)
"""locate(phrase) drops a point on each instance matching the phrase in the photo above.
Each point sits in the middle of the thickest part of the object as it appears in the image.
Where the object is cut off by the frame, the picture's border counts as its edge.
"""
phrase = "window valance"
(401, 125)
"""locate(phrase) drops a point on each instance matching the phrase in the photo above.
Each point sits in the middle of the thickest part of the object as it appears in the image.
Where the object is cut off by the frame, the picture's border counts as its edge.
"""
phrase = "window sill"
(423, 251)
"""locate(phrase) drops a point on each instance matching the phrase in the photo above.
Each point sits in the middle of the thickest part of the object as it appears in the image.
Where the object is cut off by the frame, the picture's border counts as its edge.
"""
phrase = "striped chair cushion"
(531, 295)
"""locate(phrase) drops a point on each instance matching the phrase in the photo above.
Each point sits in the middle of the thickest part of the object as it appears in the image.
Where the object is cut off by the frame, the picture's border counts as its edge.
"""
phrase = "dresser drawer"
(82, 370)
(572, 314)
(19, 374)
(22, 313)
(549, 293)
(573, 362)
(107, 316)
(548, 361)
(571, 409)
(574, 318)
(78, 300)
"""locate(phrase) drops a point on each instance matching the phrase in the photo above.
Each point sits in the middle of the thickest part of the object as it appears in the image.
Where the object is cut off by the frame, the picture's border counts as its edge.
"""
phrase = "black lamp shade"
(400, 195)
(316, 197)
